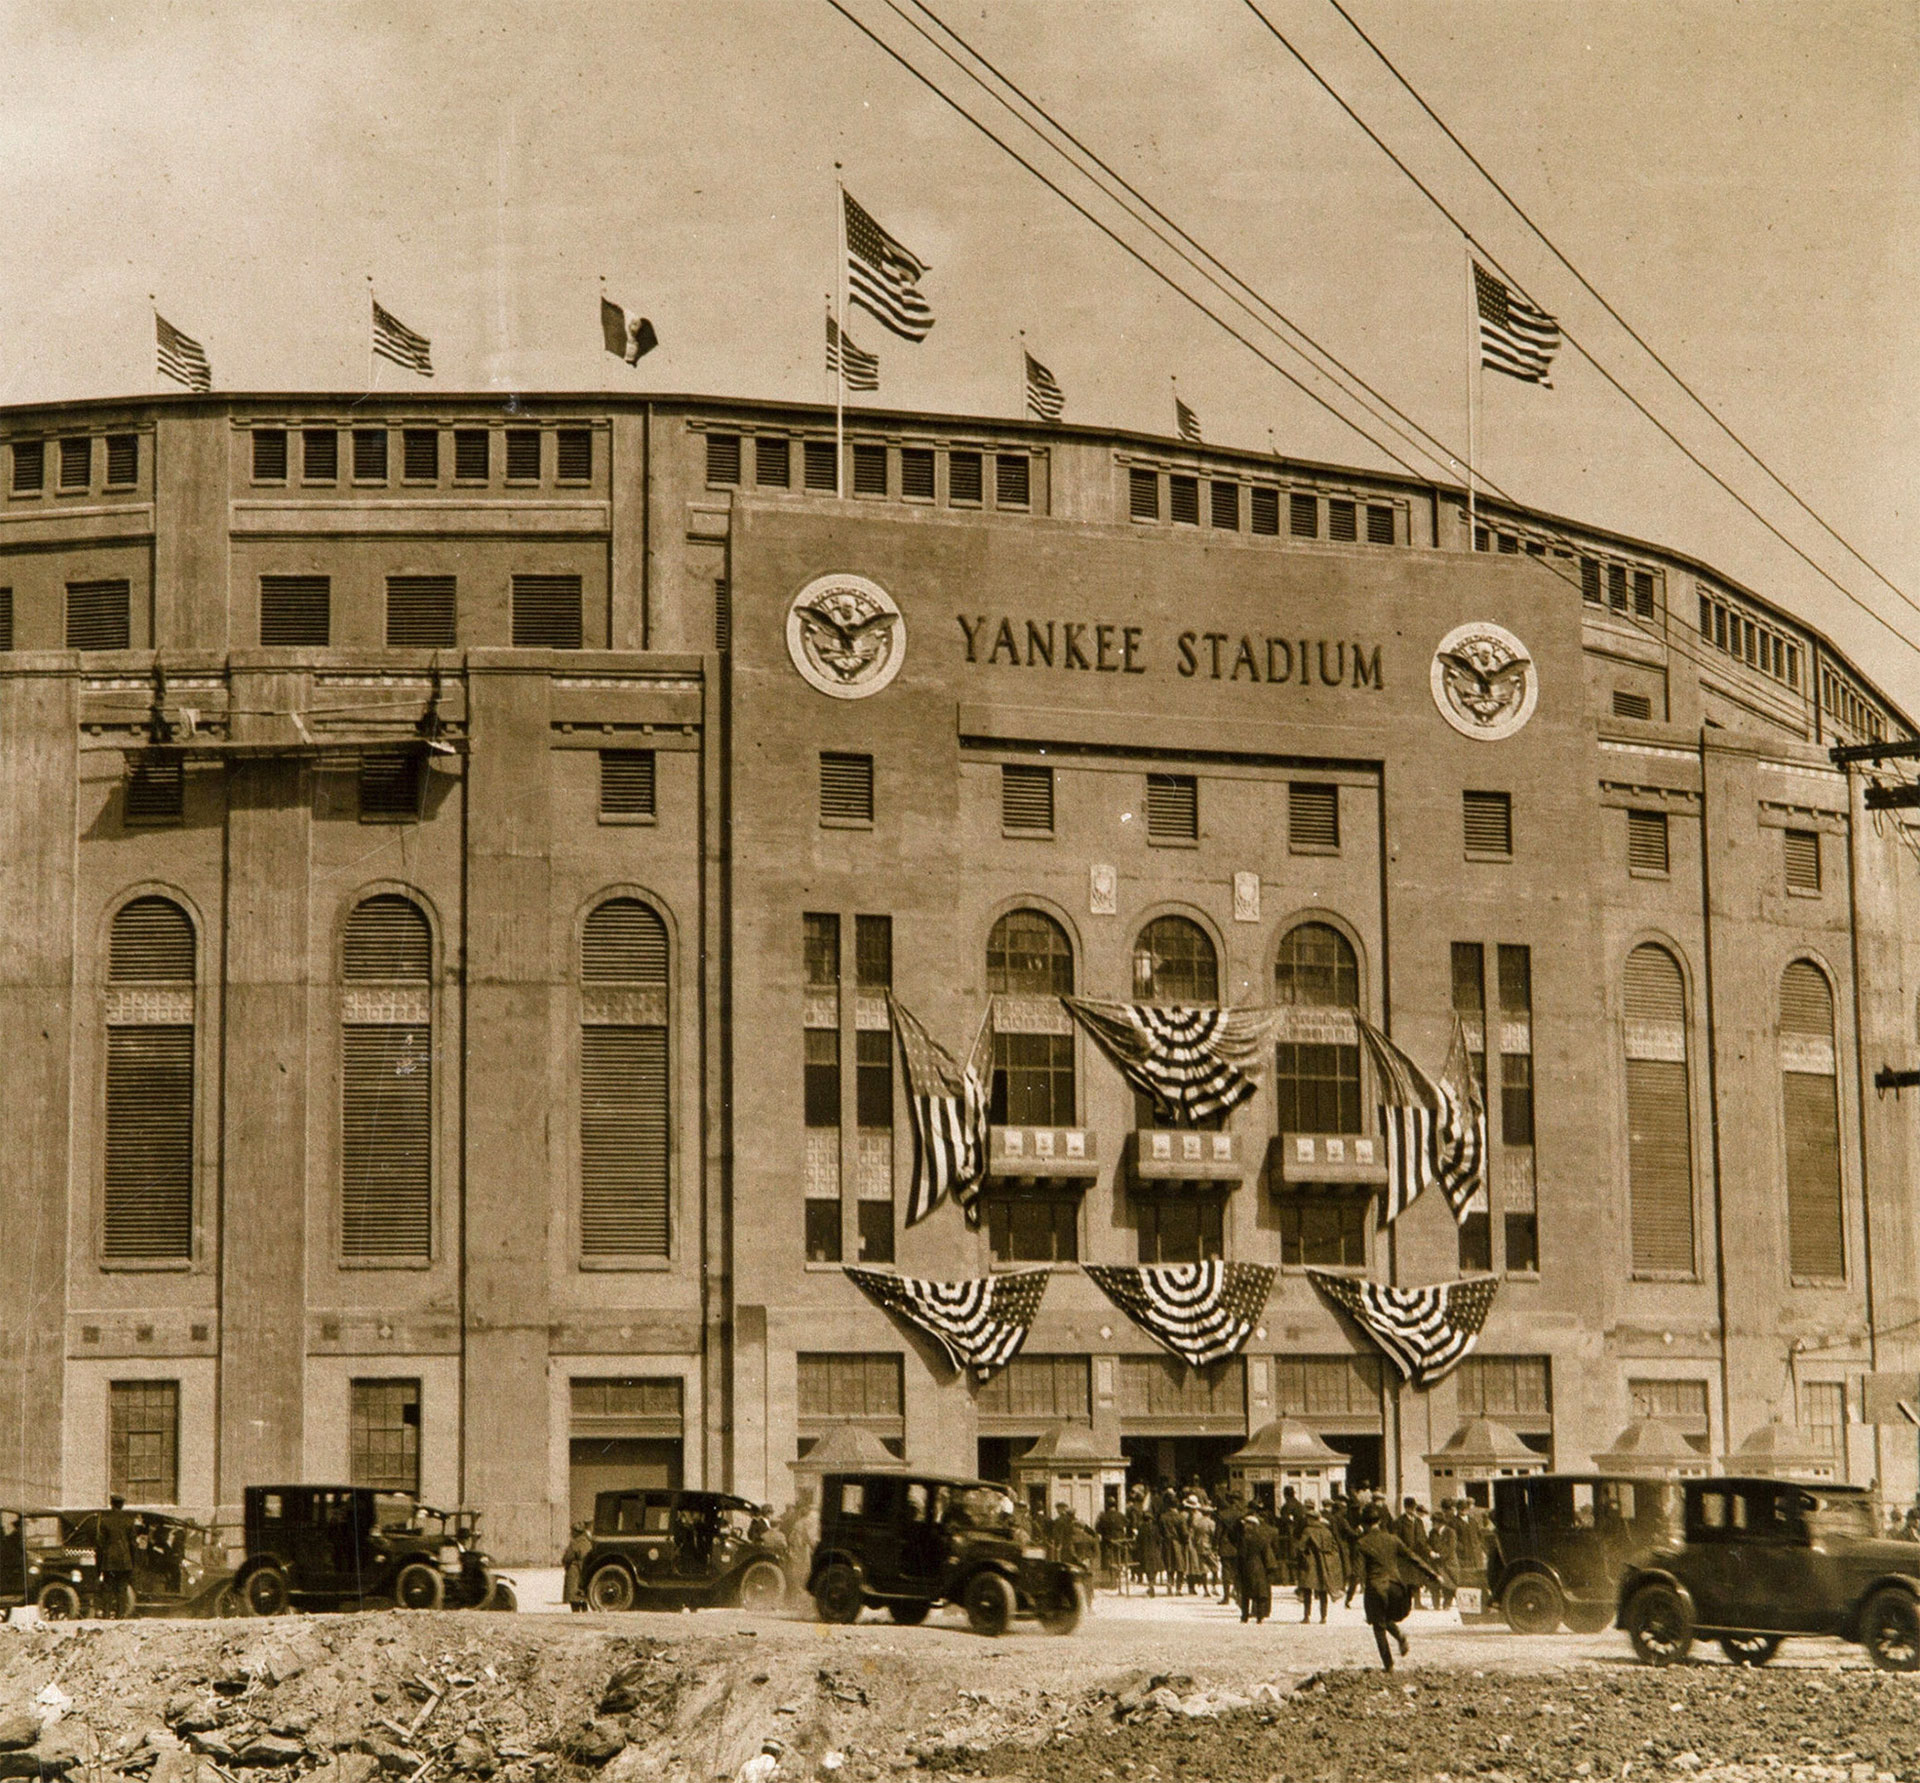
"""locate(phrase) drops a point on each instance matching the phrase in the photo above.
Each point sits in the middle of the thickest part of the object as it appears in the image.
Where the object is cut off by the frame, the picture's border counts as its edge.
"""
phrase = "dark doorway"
(1179, 1461)
(1366, 1465)
(614, 1463)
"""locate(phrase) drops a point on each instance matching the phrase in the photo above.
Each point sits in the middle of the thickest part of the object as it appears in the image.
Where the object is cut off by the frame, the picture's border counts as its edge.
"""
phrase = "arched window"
(623, 1082)
(1174, 962)
(1030, 957)
(1316, 1080)
(1809, 1089)
(148, 1200)
(386, 1082)
(1659, 1114)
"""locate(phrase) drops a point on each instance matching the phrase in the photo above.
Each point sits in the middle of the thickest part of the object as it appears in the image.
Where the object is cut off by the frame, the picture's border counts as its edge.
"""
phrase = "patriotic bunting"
(947, 1103)
(1427, 1332)
(883, 278)
(1436, 1131)
(1202, 1312)
(1045, 398)
(980, 1323)
(627, 337)
(394, 340)
(1515, 337)
(182, 358)
(1193, 1062)
(861, 368)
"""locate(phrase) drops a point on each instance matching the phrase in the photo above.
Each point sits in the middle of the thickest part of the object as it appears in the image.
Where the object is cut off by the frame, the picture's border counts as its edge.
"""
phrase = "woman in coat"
(1259, 1563)
(1317, 1561)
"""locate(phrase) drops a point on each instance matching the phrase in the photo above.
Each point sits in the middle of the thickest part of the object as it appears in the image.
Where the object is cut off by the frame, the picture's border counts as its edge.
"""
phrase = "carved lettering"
(1366, 669)
(1038, 646)
(972, 631)
(1073, 656)
(1214, 640)
(1285, 650)
(1129, 644)
(1103, 635)
(1339, 665)
(1243, 658)
(1003, 640)
(1188, 661)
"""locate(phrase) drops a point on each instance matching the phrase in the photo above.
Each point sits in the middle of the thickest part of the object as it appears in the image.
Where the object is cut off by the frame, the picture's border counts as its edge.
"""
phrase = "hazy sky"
(1742, 181)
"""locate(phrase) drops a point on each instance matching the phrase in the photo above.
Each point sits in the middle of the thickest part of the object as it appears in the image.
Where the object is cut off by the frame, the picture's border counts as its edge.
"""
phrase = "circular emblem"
(1484, 682)
(846, 636)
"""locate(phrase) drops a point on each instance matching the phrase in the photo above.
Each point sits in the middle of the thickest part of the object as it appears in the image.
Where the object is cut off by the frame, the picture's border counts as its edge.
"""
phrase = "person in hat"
(572, 1558)
(116, 1556)
(1259, 1566)
(1316, 1563)
(1385, 1561)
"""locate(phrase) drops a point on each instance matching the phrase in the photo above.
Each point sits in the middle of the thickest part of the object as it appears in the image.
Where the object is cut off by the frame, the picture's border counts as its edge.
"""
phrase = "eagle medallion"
(846, 636)
(1484, 682)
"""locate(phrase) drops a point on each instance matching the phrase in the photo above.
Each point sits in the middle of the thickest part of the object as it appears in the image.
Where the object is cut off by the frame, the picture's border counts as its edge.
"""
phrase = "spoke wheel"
(989, 1603)
(59, 1602)
(763, 1588)
(1062, 1616)
(837, 1596)
(419, 1587)
(611, 1588)
(266, 1592)
(1659, 1624)
(1890, 1630)
(1533, 1604)
(1749, 1649)
(229, 1603)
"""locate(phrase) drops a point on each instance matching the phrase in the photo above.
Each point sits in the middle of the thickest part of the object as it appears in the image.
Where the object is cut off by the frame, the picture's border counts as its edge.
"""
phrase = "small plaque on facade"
(1103, 890)
(1246, 897)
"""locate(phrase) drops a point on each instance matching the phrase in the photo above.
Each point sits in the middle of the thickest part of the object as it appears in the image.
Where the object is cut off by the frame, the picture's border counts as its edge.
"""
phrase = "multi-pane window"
(1313, 817)
(626, 783)
(1488, 824)
(420, 454)
(1469, 980)
(1683, 1404)
(148, 1199)
(1316, 1082)
(1030, 958)
(99, 615)
(420, 612)
(723, 458)
(269, 455)
(1173, 808)
(1519, 1205)
(320, 455)
(1033, 1386)
(1809, 1089)
(1823, 1413)
(1659, 1120)
(1180, 1226)
(1326, 1386)
(523, 454)
(1174, 961)
(860, 1387)
(772, 462)
(370, 454)
(820, 937)
(143, 1441)
(1518, 1390)
(386, 1083)
(873, 1087)
(1803, 860)
(1727, 628)
(547, 612)
(846, 789)
(384, 1440)
(1026, 800)
(1322, 1230)
(624, 1107)
(1647, 842)
(296, 612)
(1040, 1224)
(1165, 1387)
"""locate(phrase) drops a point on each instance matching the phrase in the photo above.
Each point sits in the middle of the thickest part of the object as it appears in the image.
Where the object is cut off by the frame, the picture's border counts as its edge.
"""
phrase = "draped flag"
(1436, 1130)
(1202, 1312)
(1427, 1332)
(947, 1103)
(980, 1323)
(1515, 337)
(1045, 398)
(883, 278)
(859, 368)
(395, 341)
(182, 358)
(627, 337)
(1193, 1062)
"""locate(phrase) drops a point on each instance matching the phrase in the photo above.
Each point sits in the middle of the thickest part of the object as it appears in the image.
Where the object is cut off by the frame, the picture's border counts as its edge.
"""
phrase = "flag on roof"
(182, 358)
(1515, 337)
(1427, 1332)
(1193, 1062)
(981, 1322)
(947, 1107)
(883, 278)
(1045, 398)
(854, 363)
(394, 340)
(628, 337)
(1187, 422)
(1202, 1312)
(1436, 1129)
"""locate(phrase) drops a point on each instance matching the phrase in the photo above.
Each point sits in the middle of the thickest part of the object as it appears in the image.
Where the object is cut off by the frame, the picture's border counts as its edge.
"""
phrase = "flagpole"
(1020, 407)
(1472, 382)
(840, 324)
(373, 367)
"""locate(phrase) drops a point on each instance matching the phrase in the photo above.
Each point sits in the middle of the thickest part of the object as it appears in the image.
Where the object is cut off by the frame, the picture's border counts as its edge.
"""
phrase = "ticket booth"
(1651, 1448)
(1784, 1452)
(1067, 1467)
(1480, 1451)
(1282, 1454)
(846, 1448)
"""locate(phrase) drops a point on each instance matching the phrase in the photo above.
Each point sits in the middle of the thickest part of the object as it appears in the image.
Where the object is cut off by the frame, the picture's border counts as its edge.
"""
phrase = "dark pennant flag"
(883, 278)
(627, 337)
(1202, 1312)
(980, 1323)
(1428, 1332)
(947, 1103)
(1436, 1130)
(1045, 399)
(1515, 337)
(860, 368)
(1193, 1062)
(1187, 422)
(394, 340)
(182, 358)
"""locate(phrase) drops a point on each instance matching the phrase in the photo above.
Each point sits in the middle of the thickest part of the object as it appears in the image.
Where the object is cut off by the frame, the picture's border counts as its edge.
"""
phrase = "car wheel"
(611, 1588)
(909, 1615)
(501, 1597)
(58, 1601)
(989, 1603)
(1062, 1616)
(227, 1603)
(1586, 1617)
(763, 1588)
(1533, 1604)
(1659, 1624)
(418, 1586)
(266, 1592)
(837, 1596)
(1749, 1649)
(1890, 1631)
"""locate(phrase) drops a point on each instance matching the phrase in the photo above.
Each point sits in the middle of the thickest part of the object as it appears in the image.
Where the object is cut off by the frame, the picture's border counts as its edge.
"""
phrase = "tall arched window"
(1174, 962)
(1316, 1081)
(148, 1200)
(1659, 1114)
(386, 1082)
(1809, 1089)
(623, 1082)
(1030, 957)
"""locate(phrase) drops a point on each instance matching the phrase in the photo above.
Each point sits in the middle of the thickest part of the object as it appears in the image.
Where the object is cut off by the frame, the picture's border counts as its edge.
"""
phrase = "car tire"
(610, 1589)
(909, 1615)
(1533, 1604)
(762, 1588)
(1659, 1622)
(989, 1603)
(1890, 1630)
(227, 1603)
(501, 1598)
(1749, 1649)
(1063, 1615)
(418, 1586)
(837, 1596)
(1585, 1616)
(59, 1601)
(266, 1592)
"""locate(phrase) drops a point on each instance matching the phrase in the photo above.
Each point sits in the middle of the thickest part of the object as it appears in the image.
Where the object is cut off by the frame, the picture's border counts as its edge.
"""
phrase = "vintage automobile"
(1756, 1560)
(350, 1547)
(1561, 1541)
(663, 1550)
(910, 1541)
(52, 1558)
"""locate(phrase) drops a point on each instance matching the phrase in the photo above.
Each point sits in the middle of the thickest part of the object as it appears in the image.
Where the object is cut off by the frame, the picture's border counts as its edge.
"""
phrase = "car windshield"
(43, 1532)
(395, 1510)
(979, 1507)
(1845, 1519)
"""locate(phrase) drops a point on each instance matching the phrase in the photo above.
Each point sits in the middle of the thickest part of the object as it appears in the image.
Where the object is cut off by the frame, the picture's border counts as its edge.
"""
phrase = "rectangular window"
(1507, 1388)
(916, 473)
(320, 455)
(626, 783)
(772, 462)
(1313, 817)
(6, 618)
(873, 969)
(1469, 966)
(821, 940)
(1660, 1166)
(1265, 511)
(1516, 1098)
(472, 454)
(420, 612)
(723, 458)
(384, 1450)
(964, 485)
(389, 785)
(1038, 1387)
(623, 1141)
(1041, 1226)
(1165, 1387)
(1183, 500)
(546, 613)
(862, 1386)
(1316, 1087)
(1720, 628)
(1523, 1243)
(369, 454)
(1033, 1081)
(295, 612)
(818, 466)
(1379, 524)
(1642, 594)
(1181, 1227)
(873, 1116)
(1026, 800)
(1173, 808)
(1012, 480)
(846, 789)
(269, 455)
(1303, 516)
(99, 616)
(420, 454)
(1816, 1241)
(1323, 1231)
(1632, 705)
(1823, 1410)
(1143, 494)
(143, 1441)
(573, 455)
(523, 454)
(821, 1087)
(1680, 1403)
(149, 1163)
(1590, 582)
(1342, 523)
(1803, 860)
(1647, 842)
(123, 459)
(1327, 1386)
(869, 469)
(1224, 506)
(29, 466)
(1475, 1242)
(154, 787)
(1488, 818)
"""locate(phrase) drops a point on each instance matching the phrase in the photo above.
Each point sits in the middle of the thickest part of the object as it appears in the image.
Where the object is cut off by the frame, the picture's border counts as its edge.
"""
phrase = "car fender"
(1850, 1628)
(1530, 1568)
(1635, 1577)
(826, 1557)
(1016, 1576)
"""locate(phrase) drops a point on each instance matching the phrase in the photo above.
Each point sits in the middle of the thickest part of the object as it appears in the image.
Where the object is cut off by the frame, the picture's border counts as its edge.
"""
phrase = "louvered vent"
(722, 615)
(964, 485)
(296, 612)
(420, 454)
(1224, 500)
(1647, 841)
(1313, 816)
(1654, 990)
(1183, 500)
(269, 455)
(6, 618)
(420, 612)
(1266, 511)
(1803, 860)
(98, 616)
(155, 787)
(29, 466)
(1806, 1001)
(546, 612)
(817, 458)
(386, 1140)
(1617, 587)
(626, 783)
(1632, 705)
(916, 473)
(869, 469)
(320, 455)
(76, 464)
(723, 458)
(1343, 525)
(846, 788)
(772, 462)
(370, 455)
(1488, 820)
(1143, 494)
(389, 783)
(123, 460)
(148, 1210)
(1303, 516)
(623, 942)
(573, 455)
(387, 941)
(1012, 480)
(472, 454)
(523, 455)
(152, 943)
(1379, 524)
(623, 1141)
(1173, 808)
(1026, 799)
(1816, 1240)
(1660, 1166)
(1643, 594)
(1589, 581)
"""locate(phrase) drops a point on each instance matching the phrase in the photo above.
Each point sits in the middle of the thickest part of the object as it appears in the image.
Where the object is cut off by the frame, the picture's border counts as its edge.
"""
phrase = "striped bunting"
(883, 278)
(1428, 1332)
(1193, 1062)
(980, 1323)
(861, 368)
(947, 1104)
(1515, 337)
(1436, 1131)
(1202, 1312)
(1045, 398)
(1187, 423)
(394, 340)
(182, 358)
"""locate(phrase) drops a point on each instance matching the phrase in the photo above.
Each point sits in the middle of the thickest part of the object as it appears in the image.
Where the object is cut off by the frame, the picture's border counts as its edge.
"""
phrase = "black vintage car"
(52, 1558)
(1562, 1540)
(350, 1547)
(662, 1550)
(1757, 1560)
(910, 1541)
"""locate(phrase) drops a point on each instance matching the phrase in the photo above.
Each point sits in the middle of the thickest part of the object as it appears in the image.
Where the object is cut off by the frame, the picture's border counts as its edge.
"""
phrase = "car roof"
(926, 1479)
(1833, 1488)
(680, 1495)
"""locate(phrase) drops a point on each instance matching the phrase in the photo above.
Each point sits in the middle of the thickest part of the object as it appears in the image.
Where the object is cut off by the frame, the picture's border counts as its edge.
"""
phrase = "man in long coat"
(1342, 1521)
(1317, 1563)
(1259, 1565)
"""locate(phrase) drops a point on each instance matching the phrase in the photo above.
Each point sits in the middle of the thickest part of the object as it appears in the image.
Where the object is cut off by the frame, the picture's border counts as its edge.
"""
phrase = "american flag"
(883, 278)
(394, 340)
(1202, 1312)
(182, 358)
(1045, 399)
(627, 337)
(861, 368)
(1187, 422)
(1193, 1062)
(947, 1103)
(1515, 337)
(981, 1323)
(1427, 1331)
(1436, 1131)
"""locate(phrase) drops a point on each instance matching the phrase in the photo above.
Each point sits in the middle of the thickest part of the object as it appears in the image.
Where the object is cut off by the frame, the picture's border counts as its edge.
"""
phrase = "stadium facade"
(457, 855)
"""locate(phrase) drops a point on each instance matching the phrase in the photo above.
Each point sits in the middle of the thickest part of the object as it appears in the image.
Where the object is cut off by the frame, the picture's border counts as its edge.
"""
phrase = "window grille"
(1143, 494)
(573, 455)
(420, 612)
(1012, 480)
(295, 612)
(523, 455)
(772, 462)
(964, 485)
(123, 459)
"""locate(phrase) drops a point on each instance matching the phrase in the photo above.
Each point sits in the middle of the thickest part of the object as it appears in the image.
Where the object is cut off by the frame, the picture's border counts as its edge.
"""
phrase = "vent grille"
(964, 487)
(1303, 516)
(76, 464)
(1342, 523)
(546, 612)
(1617, 587)
(626, 783)
(869, 469)
(386, 1140)
(1183, 500)
(1379, 525)
(472, 454)
(123, 459)
(1654, 989)
(523, 455)
(1803, 860)
(818, 466)
(1012, 480)
(420, 612)
(320, 455)
(772, 462)
(1266, 511)
(1660, 1166)
(388, 941)
(269, 455)
(1173, 808)
(623, 1142)
(1816, 1243)
(1806, 1001)
(1647, 841)
(296, 612)
(420, 454)
(1643, 595)
(29, 466)
(389, 783)
(370, 455)
(623, 942)
(722, 615)
(152, 943)
(573, 455)
(98, 616)
(155, 787)
(916, 473)
(1026, 799)
(1143, 494)
(1488, 821)
(149, 1163)
(1632, 705)
(6, 618)
(1313, 816)
(1224, 499)
(1590, 581)
(723, 458)
(846, 788)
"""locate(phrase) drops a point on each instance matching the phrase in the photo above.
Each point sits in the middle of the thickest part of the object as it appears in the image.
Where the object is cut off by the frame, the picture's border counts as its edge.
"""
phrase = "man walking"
(1412, 1530)
(1317, 1564)
(1341, 1519)
(1385, 1560)
(572, 1557)
(1259, 1562)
